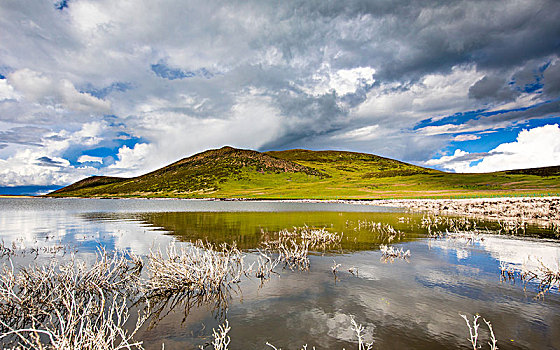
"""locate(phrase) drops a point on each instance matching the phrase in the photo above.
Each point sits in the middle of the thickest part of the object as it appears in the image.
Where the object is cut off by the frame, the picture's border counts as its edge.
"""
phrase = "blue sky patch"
(27, 190)
(166, 72)
(162, 70)
(455, 119)
(463, 117)
(108, 151)
(490, 140)
(103, 92)
(61, 4)
(533, 87)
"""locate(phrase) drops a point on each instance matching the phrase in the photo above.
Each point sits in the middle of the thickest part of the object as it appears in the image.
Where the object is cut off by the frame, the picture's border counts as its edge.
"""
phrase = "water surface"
(412, 304)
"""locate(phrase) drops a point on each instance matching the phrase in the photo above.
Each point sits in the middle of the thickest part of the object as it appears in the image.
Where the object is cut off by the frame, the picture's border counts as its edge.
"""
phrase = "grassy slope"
(233, 173)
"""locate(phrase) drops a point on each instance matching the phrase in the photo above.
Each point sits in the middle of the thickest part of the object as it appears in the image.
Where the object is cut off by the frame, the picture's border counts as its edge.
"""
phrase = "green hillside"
(235, 173)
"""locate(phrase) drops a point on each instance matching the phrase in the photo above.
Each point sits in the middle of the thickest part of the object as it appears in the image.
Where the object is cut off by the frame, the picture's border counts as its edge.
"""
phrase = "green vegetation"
(296, 174)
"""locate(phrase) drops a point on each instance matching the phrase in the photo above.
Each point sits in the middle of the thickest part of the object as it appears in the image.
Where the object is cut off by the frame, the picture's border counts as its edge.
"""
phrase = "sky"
(120, 88)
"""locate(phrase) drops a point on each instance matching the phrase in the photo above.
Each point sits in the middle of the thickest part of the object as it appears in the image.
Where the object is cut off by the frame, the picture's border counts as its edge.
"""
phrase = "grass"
(298, 174)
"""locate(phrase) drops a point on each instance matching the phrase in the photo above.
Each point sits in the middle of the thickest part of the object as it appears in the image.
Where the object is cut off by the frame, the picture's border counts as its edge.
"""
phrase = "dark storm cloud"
(498, 119)
(552, 80)
(544, 110)
(412, 38)
(311, 116)
(405, 40)
(493, 88)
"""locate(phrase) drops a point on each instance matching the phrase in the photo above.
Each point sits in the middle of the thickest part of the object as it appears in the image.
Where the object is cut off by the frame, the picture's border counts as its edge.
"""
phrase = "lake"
(412, 303)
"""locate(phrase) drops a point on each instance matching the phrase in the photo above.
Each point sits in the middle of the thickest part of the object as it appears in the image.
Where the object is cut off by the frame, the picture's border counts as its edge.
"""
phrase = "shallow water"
(412, 304)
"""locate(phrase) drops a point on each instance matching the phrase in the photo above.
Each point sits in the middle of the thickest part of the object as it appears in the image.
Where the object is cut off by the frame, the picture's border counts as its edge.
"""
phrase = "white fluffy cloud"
(130, 160)
(32, 166)
(86, 159)
(361, 134)
(466, 137)
(342, 81)
(44, 164)
(38, 88)
(176, 135)
(6, 90)
(436, 95)
(537, 147)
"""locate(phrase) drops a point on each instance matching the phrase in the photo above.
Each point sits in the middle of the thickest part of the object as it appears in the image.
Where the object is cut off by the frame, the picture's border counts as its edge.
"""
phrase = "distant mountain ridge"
(229, 172)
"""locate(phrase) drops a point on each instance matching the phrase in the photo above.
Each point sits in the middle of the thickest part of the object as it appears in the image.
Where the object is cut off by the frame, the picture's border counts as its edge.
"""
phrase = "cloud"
(178, 75)
(36, 87)
(6, 91)
(493, 88)
(172, 133)
(90, 159)
(537, 147)
(342, 81)
(28, 135)
(435, 95)
(466, 137)
(101, 93)
(459, 161)
(29, 167)
(46, 161)
(360, 134)
(164, 71)
(130, 159)
(551, 77)
(493, 119)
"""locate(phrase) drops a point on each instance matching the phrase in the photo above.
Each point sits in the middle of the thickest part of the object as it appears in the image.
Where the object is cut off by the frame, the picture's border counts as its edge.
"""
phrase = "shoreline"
(540, 210)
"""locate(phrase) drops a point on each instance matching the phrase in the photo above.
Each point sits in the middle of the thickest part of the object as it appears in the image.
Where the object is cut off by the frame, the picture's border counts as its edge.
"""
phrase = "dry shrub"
(390, 253)
(435, 224)
(200, 273)
(293, 246)
(81, 326)
(546, 277)
(221, 337)
(200, 268)
(69, 305)
(320, 238)
(473, 333)
(294, 254)
(385, 232)
(265, 266)
(317, 238)
(18, 249)
(291, 252)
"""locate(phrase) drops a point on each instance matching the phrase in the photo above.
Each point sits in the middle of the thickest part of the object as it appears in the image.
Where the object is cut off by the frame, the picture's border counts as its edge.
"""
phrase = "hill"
(236, 173)
(544, 171)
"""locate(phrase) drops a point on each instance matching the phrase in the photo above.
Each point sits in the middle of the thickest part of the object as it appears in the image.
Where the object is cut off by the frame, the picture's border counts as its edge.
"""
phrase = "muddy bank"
(538, 210)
